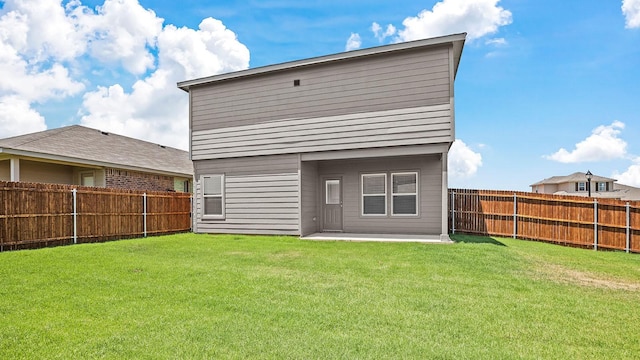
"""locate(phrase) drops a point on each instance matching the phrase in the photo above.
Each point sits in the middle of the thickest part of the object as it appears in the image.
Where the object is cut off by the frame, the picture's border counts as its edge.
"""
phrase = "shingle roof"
(619, 191)
(575, 177)
(80, 144)
(627, 192)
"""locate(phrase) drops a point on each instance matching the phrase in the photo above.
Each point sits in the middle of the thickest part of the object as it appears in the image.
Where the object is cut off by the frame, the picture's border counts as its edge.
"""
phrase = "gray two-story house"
(354, 142)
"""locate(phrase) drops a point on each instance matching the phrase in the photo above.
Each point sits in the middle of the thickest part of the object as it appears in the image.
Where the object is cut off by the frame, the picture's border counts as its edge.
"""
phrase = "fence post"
(74, 193)
(453, 212)
(595, 224)
(515, 215)
(628, 244)
(144, 213)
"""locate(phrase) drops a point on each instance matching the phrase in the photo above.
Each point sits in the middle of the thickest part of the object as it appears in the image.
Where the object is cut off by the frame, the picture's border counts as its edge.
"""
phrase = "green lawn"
(200, 296)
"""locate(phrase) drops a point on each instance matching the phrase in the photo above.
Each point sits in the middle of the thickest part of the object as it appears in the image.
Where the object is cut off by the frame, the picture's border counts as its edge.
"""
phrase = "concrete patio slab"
(329, 236)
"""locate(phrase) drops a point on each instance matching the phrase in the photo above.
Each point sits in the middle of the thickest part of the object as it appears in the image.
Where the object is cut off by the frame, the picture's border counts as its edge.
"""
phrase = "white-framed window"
(374, 194)
(87, 178)
(213, 196)
(602, 186)
(404, 193)
(582, 186)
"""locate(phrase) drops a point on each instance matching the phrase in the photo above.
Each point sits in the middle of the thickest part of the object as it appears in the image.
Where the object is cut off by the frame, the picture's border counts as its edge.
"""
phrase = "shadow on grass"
(475, 239)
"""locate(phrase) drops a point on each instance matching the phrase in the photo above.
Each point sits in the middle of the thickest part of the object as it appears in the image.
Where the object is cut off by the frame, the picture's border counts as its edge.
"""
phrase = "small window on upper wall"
(602, 186)
(404, 193)
(581, 186)
(213, 196)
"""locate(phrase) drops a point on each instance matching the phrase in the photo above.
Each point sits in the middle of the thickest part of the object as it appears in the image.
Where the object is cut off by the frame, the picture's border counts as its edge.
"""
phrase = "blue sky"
(544, 88)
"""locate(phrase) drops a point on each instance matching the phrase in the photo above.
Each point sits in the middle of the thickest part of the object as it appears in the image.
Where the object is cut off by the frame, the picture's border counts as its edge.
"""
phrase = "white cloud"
(631, 11)
(41, 29)
(213, 49)
(475, 17)
(45, 47)
(631, 176)
(31, 51)
(353, 43)
(603, 144)
(17, 118)
(463, 162)
(36, 37)
(34, 83)
(155, 109)
(376, 28)
(381, 36)
(496, 42)
(121, 31)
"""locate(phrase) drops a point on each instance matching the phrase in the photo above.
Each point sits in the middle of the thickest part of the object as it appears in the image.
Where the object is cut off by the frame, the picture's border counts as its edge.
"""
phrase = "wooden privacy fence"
(568, 220)
(38, 215)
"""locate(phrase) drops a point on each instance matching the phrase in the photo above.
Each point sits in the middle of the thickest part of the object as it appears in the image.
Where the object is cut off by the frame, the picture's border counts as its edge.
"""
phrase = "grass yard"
(200, 296)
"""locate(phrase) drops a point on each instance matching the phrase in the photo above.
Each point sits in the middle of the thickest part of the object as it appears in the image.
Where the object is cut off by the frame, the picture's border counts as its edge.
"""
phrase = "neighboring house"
(78, 155)
(354, 142)
(576, 184)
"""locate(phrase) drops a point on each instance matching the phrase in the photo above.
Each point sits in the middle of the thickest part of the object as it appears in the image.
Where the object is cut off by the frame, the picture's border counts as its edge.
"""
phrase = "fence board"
(568, 220)
(38, 215)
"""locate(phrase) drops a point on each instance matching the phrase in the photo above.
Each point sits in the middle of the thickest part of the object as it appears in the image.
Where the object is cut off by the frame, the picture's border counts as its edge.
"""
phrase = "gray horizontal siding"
(359, 70)
(414, 78)
(254, 204)
(308, 193)
(414, 126)
(208, 230)
(247, 166)
(349, 92)
(349, 102)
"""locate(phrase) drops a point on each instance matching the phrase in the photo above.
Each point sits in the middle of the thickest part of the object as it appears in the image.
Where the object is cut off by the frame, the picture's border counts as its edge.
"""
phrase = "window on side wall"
(404, 193)
(581, 186)
(374, 194)
(213, 196)
(602, 186)
(87, 179)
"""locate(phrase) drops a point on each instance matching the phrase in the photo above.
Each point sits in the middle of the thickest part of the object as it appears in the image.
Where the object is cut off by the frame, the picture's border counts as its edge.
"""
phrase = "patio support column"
(14, 165)
(444, 231)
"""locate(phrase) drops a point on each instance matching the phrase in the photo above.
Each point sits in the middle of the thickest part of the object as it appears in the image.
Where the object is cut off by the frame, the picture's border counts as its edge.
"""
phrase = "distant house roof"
(575, 177)
(618, 191)
(82, 145)
(457, 41)
(627, 192)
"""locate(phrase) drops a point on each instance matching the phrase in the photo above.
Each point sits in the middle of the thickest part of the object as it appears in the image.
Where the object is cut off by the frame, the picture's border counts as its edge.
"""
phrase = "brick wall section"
(133, 180)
